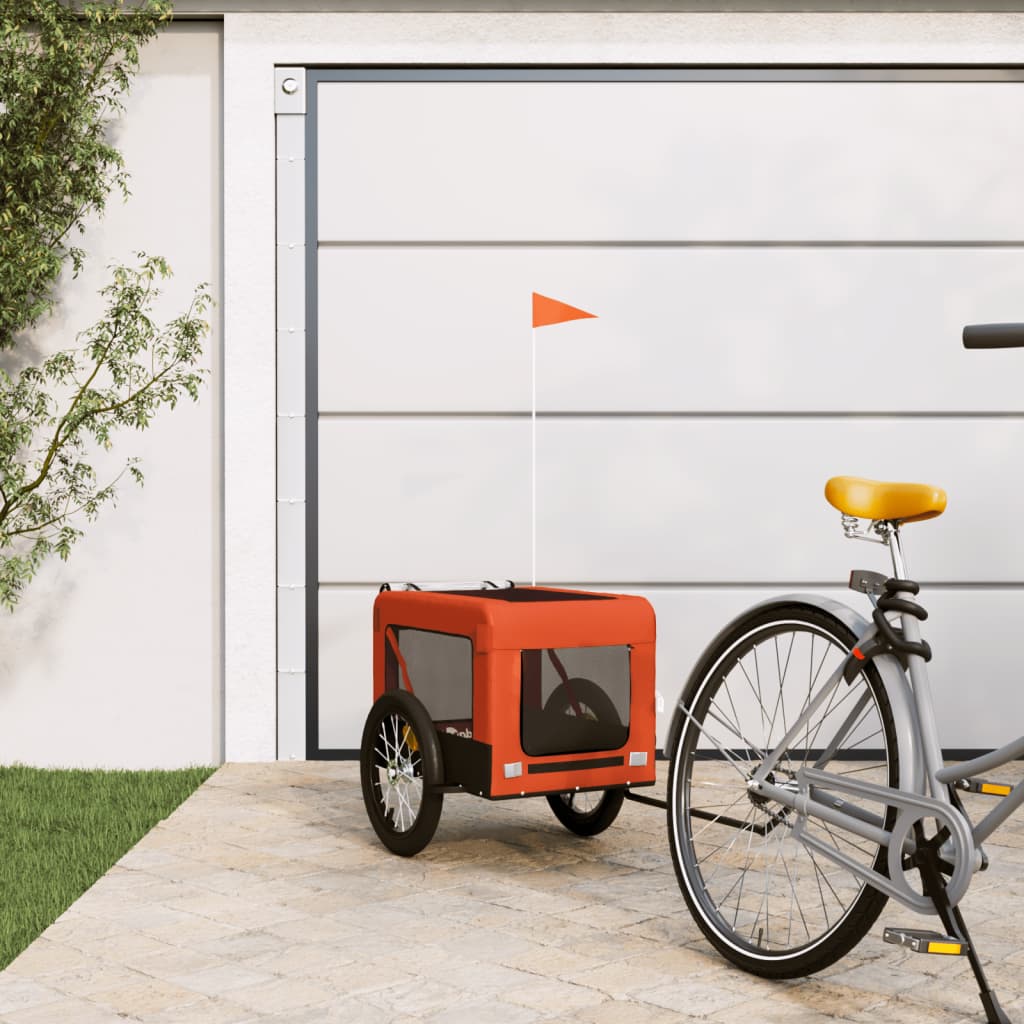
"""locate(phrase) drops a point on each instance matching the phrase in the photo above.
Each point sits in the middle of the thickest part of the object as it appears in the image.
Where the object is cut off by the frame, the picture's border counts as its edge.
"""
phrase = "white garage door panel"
(741, 500)
(694, 500)
(678, 329)
(424, 499)
(689, 619)
(677, 160)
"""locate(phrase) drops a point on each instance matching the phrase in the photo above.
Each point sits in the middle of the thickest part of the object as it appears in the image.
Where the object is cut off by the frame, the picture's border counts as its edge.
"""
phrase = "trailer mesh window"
(575, 700)
(437, 668)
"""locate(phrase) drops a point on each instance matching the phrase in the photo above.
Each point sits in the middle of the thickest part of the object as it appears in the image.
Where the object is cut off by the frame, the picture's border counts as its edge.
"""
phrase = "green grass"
(61, 830)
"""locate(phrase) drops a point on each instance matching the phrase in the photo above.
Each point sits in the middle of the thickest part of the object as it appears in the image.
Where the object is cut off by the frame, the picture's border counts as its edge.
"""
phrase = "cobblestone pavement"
(267, 897)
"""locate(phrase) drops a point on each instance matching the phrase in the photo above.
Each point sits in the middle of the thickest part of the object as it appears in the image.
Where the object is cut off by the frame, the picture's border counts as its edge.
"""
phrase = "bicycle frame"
(924, 791)
(894, 824)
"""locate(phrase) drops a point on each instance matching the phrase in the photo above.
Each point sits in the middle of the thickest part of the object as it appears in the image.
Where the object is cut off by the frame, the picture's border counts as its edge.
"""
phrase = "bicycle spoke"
(779, 701)
(829, 710)
(873, 767)
(743, 877)
(735, 713)
(824, 877)
(717, 817)
(730, 758)
(766, 937)
(750, 747)
(756, 692)
(793, 901)
(728, 846)
(818, 877)
(809, 742)
(835, 836)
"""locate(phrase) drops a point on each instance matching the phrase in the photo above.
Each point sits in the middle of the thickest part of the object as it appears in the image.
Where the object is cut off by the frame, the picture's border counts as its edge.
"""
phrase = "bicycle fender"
(897, 686)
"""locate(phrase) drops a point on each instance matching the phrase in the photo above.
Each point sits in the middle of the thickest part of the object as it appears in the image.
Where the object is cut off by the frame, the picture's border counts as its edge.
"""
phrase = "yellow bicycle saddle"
(873, 499)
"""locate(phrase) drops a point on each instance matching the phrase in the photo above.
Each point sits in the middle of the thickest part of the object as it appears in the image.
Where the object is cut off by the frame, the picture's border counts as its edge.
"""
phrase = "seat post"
(899, 564)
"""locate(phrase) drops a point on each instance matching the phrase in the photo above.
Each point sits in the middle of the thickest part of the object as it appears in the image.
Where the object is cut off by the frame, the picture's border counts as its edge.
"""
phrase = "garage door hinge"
(289, 90)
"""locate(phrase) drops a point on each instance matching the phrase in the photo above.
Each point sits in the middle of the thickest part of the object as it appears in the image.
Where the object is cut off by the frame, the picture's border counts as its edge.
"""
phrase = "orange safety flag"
(550, 311)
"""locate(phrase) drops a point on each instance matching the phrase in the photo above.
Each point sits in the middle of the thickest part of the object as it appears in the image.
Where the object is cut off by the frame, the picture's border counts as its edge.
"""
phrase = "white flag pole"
(533, 457)
(545, 311)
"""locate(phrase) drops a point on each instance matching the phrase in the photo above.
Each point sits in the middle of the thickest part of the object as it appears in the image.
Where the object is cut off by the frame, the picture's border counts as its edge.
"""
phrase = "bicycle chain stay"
(910, 809)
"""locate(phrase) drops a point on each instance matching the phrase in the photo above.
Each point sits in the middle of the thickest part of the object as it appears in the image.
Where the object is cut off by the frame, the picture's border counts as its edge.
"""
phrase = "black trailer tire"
(587, 813)
(400, 768)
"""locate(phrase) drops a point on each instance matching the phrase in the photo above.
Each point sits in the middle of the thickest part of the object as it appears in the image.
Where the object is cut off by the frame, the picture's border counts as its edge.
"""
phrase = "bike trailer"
(531, 690)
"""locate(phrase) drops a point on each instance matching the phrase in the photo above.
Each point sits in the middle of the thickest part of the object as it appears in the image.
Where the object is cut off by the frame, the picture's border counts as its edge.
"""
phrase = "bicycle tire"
(400, 767)
(763, 899)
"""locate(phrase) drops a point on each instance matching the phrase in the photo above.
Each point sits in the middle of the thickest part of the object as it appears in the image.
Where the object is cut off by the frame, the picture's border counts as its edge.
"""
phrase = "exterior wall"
(254, 44)
(149, 573)
(114, 658)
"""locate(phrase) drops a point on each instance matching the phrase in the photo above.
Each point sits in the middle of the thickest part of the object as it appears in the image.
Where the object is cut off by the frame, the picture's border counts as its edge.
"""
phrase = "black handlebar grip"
(994, 336)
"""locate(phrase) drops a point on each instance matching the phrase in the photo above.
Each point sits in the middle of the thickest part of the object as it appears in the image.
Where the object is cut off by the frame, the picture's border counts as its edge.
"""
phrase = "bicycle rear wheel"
(767, 902)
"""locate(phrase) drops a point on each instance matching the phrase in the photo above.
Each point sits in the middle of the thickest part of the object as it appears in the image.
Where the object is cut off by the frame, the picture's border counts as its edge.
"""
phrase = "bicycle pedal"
(921, 941)
(984, 786)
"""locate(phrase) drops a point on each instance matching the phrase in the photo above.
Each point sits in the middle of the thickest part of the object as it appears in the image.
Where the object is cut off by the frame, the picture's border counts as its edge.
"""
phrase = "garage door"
(780, 264)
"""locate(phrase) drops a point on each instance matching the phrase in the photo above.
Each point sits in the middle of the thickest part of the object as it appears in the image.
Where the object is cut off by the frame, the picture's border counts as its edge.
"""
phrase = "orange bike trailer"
(516, 691)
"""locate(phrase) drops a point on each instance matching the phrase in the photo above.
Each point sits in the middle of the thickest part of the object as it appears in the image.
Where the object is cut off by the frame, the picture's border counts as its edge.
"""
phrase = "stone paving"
(267, 897)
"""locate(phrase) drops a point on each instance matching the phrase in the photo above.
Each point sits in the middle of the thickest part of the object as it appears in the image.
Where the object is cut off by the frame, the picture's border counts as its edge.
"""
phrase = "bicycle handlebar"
(994, 336)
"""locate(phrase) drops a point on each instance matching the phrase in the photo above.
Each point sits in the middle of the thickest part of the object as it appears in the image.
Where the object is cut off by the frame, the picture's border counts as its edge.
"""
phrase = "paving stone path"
(267, 897)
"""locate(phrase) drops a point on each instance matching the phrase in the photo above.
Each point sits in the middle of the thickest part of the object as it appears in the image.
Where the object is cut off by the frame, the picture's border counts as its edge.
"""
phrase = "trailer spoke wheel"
(400, 768)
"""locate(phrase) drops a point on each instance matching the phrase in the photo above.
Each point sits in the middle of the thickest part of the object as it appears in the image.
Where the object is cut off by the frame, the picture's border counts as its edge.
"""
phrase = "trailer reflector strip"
(574, 766)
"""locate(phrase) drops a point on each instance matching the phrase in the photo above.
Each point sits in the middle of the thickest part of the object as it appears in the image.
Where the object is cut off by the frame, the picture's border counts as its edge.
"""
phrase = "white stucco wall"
(114, 658)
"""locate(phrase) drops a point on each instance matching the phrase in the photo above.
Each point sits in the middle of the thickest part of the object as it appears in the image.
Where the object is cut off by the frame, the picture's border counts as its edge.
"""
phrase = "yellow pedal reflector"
(920, 941)
(995, 789)
(946, 948)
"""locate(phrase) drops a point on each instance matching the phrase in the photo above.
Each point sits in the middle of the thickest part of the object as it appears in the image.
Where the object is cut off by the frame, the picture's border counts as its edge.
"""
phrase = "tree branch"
(48, 126)
(66, 514)
(55, 444)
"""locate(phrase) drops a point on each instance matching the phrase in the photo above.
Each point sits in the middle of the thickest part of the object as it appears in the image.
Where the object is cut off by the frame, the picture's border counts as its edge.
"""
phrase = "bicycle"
(806, 784)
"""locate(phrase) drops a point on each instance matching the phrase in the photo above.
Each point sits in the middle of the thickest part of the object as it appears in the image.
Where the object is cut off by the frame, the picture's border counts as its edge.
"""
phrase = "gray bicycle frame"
(923, 780)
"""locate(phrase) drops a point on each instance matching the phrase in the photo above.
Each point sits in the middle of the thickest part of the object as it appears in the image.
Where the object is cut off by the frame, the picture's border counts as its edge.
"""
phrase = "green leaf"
(126, 369)
(62, 78)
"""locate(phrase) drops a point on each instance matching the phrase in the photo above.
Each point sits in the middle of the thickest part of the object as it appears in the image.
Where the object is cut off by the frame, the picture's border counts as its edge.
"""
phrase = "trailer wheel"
(587, 813)
(591, 812)
(400, 767)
